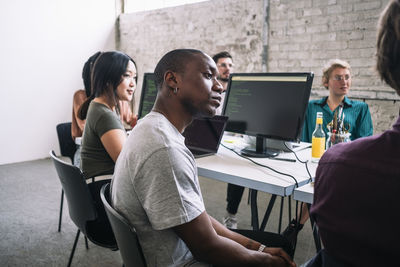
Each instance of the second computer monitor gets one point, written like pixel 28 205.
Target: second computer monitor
pixel 267 105
pixel 148 95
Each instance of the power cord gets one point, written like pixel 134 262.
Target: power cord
pixel 261 165
pixel 297 185
pixel 304 162
pixel 309 180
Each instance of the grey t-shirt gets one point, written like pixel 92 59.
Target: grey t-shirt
pixel 155 186
pixel 95 159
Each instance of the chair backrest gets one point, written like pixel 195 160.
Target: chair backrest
pixel 80 202
pixel 85 207
pixel 125 234
pixel 67 144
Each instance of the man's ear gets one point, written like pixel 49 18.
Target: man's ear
pixel 170 79
pixel 325 82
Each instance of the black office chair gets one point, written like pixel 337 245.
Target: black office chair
pixel 67 149
pixel 128 243
pixel 85 209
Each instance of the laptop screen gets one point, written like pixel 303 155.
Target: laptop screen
pixel 148 95
pixel 205 134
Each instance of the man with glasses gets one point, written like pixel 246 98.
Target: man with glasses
pixel 336 77
pixel 224 63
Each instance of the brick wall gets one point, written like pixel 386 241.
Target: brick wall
pixel 303 36
pixel 326 29
pixel 211 26
pixel 271 35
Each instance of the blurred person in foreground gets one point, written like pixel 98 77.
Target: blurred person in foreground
pixel 357 184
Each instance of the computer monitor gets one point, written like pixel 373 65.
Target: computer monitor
pixel 148 95
pixel 267 105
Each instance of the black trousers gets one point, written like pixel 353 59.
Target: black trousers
pixel 233 197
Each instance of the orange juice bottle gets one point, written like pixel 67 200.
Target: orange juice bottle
pixel 318 140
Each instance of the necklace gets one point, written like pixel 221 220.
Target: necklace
pixel 331 105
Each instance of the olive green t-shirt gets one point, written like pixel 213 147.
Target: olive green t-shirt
pixel 95 160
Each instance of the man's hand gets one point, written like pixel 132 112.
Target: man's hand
pixel 280 253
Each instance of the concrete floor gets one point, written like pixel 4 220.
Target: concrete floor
pixel 30 194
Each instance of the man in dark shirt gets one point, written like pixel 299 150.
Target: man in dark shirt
pixel 224 63
pixel 357 183
pixel 234 194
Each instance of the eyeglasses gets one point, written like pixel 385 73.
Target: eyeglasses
pixel 224 65
pixel 341 77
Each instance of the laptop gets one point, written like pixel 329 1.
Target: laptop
pixel 148 95
pixel 203 136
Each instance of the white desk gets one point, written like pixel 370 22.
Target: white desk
pixel 304 193
pixel 228 167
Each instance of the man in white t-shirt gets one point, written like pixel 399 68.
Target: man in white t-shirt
pixel 155 183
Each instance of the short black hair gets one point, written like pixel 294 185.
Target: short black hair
pixel 223 54
pixel 175 61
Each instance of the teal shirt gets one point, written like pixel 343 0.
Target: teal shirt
pixel 356 114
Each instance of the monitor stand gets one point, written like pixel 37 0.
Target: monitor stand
pixel 261 150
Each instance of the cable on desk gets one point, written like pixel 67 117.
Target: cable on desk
pixel 304 162
pixel 259 164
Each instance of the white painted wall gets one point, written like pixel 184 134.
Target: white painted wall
pixel 43 46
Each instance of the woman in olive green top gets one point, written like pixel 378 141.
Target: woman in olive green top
pixel 113 79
